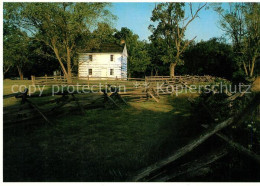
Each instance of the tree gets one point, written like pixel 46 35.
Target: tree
pixel 241 22
pixel 138 57
pixel 61 26
pixel 252 37
pixel 213 57
pixel 172 24
pixel 104 33
pixel 42 58
pixel 16 49
pixel 7 62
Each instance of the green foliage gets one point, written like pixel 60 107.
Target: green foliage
pixel 242 24
pixel 212 107
pixel 167 15
pixel 67 28
pixel 16 49
pixel 46 32
pixel 42 58
pixel 61 26
pixel 138 56
pixel 251 41
pixel 140 60
pixel 209 108
pixel 172 21
pixel 104 33
pixel 213 57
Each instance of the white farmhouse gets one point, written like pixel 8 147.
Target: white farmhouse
pixel 108 61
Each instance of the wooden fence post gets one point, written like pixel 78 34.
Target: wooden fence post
pixel 33 80
pixel 55 78
pixel 46 78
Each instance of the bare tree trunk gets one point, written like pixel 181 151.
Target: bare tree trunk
pixel 6 70
pixel 20 72
pixel 245 69
pixel 61 64
pixel 252 67
pixel 69 65
pixel 172 69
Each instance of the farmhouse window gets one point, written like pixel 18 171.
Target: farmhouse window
pixel 111 72
pixel 90 58
pixel 89 71
pixel 111 57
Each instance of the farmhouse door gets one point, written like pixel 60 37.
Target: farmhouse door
pixel 103 72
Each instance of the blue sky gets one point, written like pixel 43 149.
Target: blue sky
pixel 136 16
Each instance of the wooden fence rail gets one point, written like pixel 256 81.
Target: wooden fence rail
pixel 49 80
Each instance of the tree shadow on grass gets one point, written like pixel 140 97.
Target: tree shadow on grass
pixel 102 145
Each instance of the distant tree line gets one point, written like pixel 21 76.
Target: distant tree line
pixel 40 38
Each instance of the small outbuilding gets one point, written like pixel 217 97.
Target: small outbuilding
pixel 107 61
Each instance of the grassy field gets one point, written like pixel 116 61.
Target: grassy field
pixel 109 144
pixel 102 145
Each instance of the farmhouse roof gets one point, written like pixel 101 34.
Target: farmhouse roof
pixel 106 48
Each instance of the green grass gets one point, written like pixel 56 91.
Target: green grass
pixel 14 86
pixel 102 145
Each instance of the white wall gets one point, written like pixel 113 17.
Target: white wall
pixel 100 65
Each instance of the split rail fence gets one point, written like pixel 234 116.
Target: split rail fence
pixel 50 80
pixel 29 111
